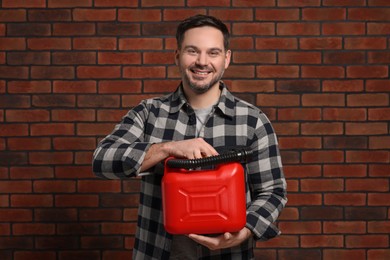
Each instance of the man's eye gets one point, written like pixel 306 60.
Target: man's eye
pixel 191 51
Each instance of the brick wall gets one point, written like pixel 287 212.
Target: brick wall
pixel 70 69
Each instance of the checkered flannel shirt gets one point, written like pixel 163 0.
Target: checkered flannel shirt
pixel 234 123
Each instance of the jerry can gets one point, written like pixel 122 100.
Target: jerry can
pixel 204 201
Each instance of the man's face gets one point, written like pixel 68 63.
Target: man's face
pixel 202 58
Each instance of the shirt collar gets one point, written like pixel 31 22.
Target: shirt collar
pixel 225 104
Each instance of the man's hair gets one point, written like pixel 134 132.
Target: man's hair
pixel 201 20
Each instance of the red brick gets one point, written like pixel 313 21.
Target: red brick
pixel 49 15
pixel 344 3
pixel 379 142
pixel 351 57
pixel 138 15
pixel 118 29
pixel 31 86
pixel 14 130
pixel 31 200
pixel 367 100
pixel 276 43
pixel 344 28
pixel 26 144
pixel 322 71
pixel 241 43
pixel 322 241
pixel 122 58
pixel 237 14
pixel 51 43
pixel 367 156
pixel 108 255
pixel 13 15
pixel 76 58
pixel 93 129
pixel 76 200
pixel 367 241
pixel 116 3
pixel 14 72
pixel 273 100
pixel 111 115
pixel 78 229
pixel 301 171
pixel 242 71
pixel 379 170
pixel 322 157
pixel 12 43
pixel 98 186
pixel 90 254
pixel 98 72
pixel 298 29
pixel 306 227
pixel 286 128
pixel 339 142
pixel 300 142
pixel 54 100
pixel 16 215
pixel 68 3
pixel 69 143
pixel 140 72
pixel 140 44
pixel 277 14
pixel 377 28
pixel 301 199
pixel 345 199
pixel 36 115
pixel 103 101
pixel 121 86
pixel 368 43
pixel 35 255
pixel 299 58
pixel 321 128
pixel 73 29
pixel 40 172
pixel 52 129
pixel 79 115
pixel 159 3
pixel 33 229
pixel 351 170
pixel 375 85
pixel 119 228
pixel 378 199
pixel 323 14
pixel 378 254
pixel 244 28
pixel 33 58
pixel 56 242
pixel 245 85
pixel 352 85
pixel 50 158
pixel 323 100
pixel 28 29
pixel 381 57
pixel 368 185
pixel 23 4
pixel 52 72
pixel 73 172
pixel 277 71
pixel 345 114
pixel 79 86
pixel 15 186
pixel 323 43
pixel 94 43
pixel 82 14
pixel 369 14
pixel 328 185
pixel 54 186
pixel 367 72
pixel 101 214
pixel 366 128
pixel 344 227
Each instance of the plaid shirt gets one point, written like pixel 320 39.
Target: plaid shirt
pixel 234 123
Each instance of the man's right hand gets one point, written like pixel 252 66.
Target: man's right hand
pixel 188 149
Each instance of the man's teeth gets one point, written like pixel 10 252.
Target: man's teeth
pixel 201 73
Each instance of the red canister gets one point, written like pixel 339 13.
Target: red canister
pixel 204 201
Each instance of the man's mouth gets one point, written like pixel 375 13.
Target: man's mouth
pixel 200 72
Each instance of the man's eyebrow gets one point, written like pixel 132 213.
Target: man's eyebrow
pixel 196 48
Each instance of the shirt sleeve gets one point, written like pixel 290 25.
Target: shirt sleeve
pixel 266 182
pixel 120 154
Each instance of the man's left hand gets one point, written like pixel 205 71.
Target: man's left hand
pixel 225 240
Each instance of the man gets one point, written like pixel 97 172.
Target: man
pixel 200 119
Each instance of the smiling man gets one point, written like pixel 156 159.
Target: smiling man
pixel 200 119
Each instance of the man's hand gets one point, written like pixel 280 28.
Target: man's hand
pixel 189 149
pixel 225 240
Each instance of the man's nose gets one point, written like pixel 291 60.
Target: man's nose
pixel 202 59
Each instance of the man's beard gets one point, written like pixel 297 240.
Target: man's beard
pixel 202 88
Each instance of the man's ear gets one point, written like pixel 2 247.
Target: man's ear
pixel 227 58
pixel 177 53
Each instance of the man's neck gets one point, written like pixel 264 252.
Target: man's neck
pixel 205 100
